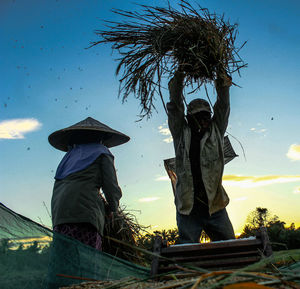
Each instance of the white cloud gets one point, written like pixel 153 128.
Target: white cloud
pixel 254 181
pixel 294 152
pixel 17 128
pixel 258 130
pixel 149 199
pixel 164 130
pixel 162 178
pixel 168 140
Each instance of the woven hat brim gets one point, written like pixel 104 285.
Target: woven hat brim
pixel 61 139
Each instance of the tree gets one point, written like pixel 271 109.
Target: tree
pixel 260 217
pixel 280 236
pixel 171 236
pixel 146 241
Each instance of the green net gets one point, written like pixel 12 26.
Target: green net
pixel 32 256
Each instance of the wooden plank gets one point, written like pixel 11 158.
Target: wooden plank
pixel 215 255
pixel 156 250
pixel 218 264
pixel 211 252
pixel 212 245
pixel 201 253
pixel 211 256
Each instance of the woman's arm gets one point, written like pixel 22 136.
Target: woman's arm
pixel 110 185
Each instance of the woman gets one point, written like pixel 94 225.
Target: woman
pixel 88 166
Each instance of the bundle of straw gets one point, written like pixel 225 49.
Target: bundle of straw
pixel 125 228
pixel 158 41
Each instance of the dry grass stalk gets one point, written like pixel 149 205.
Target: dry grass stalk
pixel 124 227
pixel 216 279
pixel 157 41
pixel 262 278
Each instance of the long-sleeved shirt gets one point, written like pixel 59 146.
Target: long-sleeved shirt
pixel 76 197
pixel 211 150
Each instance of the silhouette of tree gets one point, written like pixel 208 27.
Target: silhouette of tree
pixel 281 237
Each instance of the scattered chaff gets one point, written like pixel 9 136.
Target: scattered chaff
pixel 229 279
pixel 157 41
pixel 216 279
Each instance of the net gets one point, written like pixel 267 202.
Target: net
pixel 33 256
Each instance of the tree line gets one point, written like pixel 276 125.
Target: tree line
pixel 281 236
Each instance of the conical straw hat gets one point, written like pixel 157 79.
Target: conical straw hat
pixel 88 129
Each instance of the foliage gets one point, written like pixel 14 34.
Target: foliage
pixel 146 241
pixel 171 236
pixel 23 265
pixel 22 257
pixel 281 237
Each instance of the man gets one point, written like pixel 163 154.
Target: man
pixel 198 139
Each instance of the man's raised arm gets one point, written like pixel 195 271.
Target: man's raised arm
pixel 222 105
pixel 176 107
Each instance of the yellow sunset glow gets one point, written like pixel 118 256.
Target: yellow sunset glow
pixel 294 152
pixel 258 181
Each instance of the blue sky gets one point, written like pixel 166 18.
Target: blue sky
pixel 49 80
